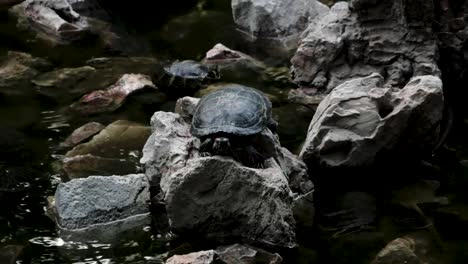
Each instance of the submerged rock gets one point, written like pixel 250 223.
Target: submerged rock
pixel 107 209
pixel 400 250
pixel 360 122
pixel 64 82
pixel 235 202
pixel 17 69
pixel 82 133
pixel 392 38
pixel 278 23
pixel 112 98
pixel 114 149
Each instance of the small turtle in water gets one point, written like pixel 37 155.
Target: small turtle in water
pixel 229 123
pixel 187 76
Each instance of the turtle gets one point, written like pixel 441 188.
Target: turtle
pixel 187 76
pixel 229 122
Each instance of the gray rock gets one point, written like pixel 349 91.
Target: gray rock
pixel 102 208
pixel 393 38
pixel 185 107
pixel 201 257
pixel 233 202
pixel 119 143
pixel 17 69
pixel 360 121
pixel 112 98
pixel 82 133
pixel 302 97
pixel 168 148
pixel 244 254
pixel 63 22
pixel 277 21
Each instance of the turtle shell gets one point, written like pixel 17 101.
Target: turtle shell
pixel 236 109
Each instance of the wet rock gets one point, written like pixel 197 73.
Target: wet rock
pixel 64 22
pixel 185 107
pixel 81 166
pixel 119 143
pixel 245 254
pixel 393 38
pixel 63 82
pixel 82 134
pixel 201 257
pixel 278 22
pixel 99 208
pixel 400 250
pixel 259 210
pixel 17 69
pixel 9 254
pixel 360 122
pixel 112 98
pixel 168 148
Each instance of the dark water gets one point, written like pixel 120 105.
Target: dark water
pixel 31 128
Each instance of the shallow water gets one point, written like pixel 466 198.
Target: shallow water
pixel 32 127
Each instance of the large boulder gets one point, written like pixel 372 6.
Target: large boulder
pixel 279 21
pixel 234 202
pixel 392 38
pixel 361 122
pixel 103 208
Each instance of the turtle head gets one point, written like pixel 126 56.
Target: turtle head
pixel 221 146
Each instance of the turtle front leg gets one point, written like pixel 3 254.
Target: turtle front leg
pixel 205 148
pixel 250 157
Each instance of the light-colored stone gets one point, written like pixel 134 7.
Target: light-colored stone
pixel 102 208
pixel 185 107
pixel 245 254
pixel 168 148
pixel 201 257
pixel 233 202
pixel 360 121
pixel 392 38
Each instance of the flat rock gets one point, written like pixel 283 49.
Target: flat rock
pixel 245 254
pixel 201 257
pixel 112 98
pixel 82 133
pixel 102 207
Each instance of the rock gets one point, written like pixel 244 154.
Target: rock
pixel 65 22
pixel 168 148
pixel 238 253
pixel 5 4
pixel 235 202
pixel 399 250
pixel 302 97
pixel 17 69
pixel 185 107
pixel 102 208
pixel 278 22
pixel 82 133
pixel 9 254
pixel 360 122
pixel 119 143
pixel 81 166
pixel 201 257
pixel 112 98
pixel 64 82
pixel 393 38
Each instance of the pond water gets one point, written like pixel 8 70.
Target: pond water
pixel 32 127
